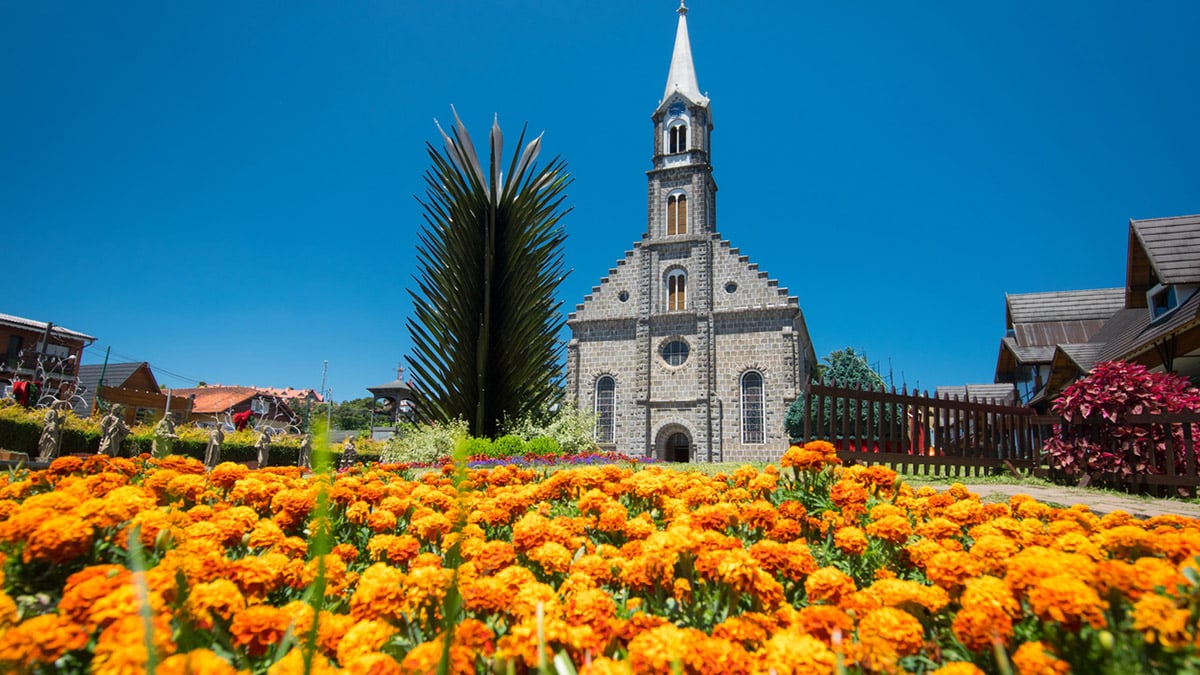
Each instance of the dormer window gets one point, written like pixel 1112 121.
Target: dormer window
pixel 1161 300
pixel 677 138
pixel 677 214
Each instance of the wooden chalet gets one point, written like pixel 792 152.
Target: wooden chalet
pixel 131 385
pixel 1037 324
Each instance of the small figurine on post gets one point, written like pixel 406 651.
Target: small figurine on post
pixel 164 437
pixel 113 431
pixel 305 460
pixel 212 452
pixel 263 446
pixel 349 456
pixel 50 441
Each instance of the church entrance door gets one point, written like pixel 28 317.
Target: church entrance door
pixel 678 448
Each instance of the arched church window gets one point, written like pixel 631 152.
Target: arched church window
pixel 676 290
pixel 606 390
pixel 677 214
pixel 752 407
pixel 677 139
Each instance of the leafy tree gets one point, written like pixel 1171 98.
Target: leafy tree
pixel 847 368
pixel 486 321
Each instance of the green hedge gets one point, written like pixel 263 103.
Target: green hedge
pixel 23 437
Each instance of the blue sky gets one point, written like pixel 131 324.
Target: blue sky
pixel 226 189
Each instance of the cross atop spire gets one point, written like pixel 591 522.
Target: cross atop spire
pixel 682 76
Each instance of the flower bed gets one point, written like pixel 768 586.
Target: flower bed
pixel 116 565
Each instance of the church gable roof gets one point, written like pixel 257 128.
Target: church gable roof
pixel 740 284
pixel 604 302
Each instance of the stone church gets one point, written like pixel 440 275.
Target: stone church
pixel 686 351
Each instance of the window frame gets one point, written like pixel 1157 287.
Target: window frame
pixel 676 290
pixel 677 213
pixel 606 420
pixel 753 413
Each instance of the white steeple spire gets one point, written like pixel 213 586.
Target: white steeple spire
pixel 682 77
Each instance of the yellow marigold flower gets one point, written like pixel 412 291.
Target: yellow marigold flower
pixel 196 662
pixel 59 539
pixel 1125 541
pixel 1067 600
pixel 1159 620
pixel 358 512
pixel 892 529
pixel 365 637
pixel 258 628
pixel 850 540
pixel 887 633
pixel 828 585
pixel 792 653
pixel 220 598
pixel 1036 658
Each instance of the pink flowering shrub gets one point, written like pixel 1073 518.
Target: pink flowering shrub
pixel 1097 440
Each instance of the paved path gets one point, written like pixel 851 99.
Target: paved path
pixel 1100 502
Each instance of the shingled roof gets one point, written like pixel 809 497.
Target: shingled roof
pixel 115 375
pixel 1170 245
pixel 1100 303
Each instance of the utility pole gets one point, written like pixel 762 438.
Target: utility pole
pixel 328 411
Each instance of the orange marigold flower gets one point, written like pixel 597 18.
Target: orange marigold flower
pixel 382 521
pixel 892 529
pixel 828 585
pixel 848 494
pixel 791 560
pixel 258 576
pixel 958 668
pixel 380 593
pixel 792 653
pixel 121 648
pixel 824 622
pixel 1159 620
pixel 887 633
pixel 553 557
pixel 59 539
pixel 363 638
pixel 1036 658
pixel 1067 600
pixel 951 569
pixel 195 662
pixel 258 628
pixel 978 627
pixel 39 641
pixel 220 598
pixel 850 540
pixel 226 474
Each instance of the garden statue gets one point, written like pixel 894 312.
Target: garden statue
pixel 113 431
pixel 51 439
pixel 164 437
pixel 349 456
pixel 263 446
pixel 305 460
pixel 212 452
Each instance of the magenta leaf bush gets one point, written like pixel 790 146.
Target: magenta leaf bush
pixel 1097 441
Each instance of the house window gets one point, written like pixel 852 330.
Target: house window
pixel 676 290
pixel 752 408
pixel 677 139
pixel 677 214
pixel 606 390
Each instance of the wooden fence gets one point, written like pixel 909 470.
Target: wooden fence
pixel 918 433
